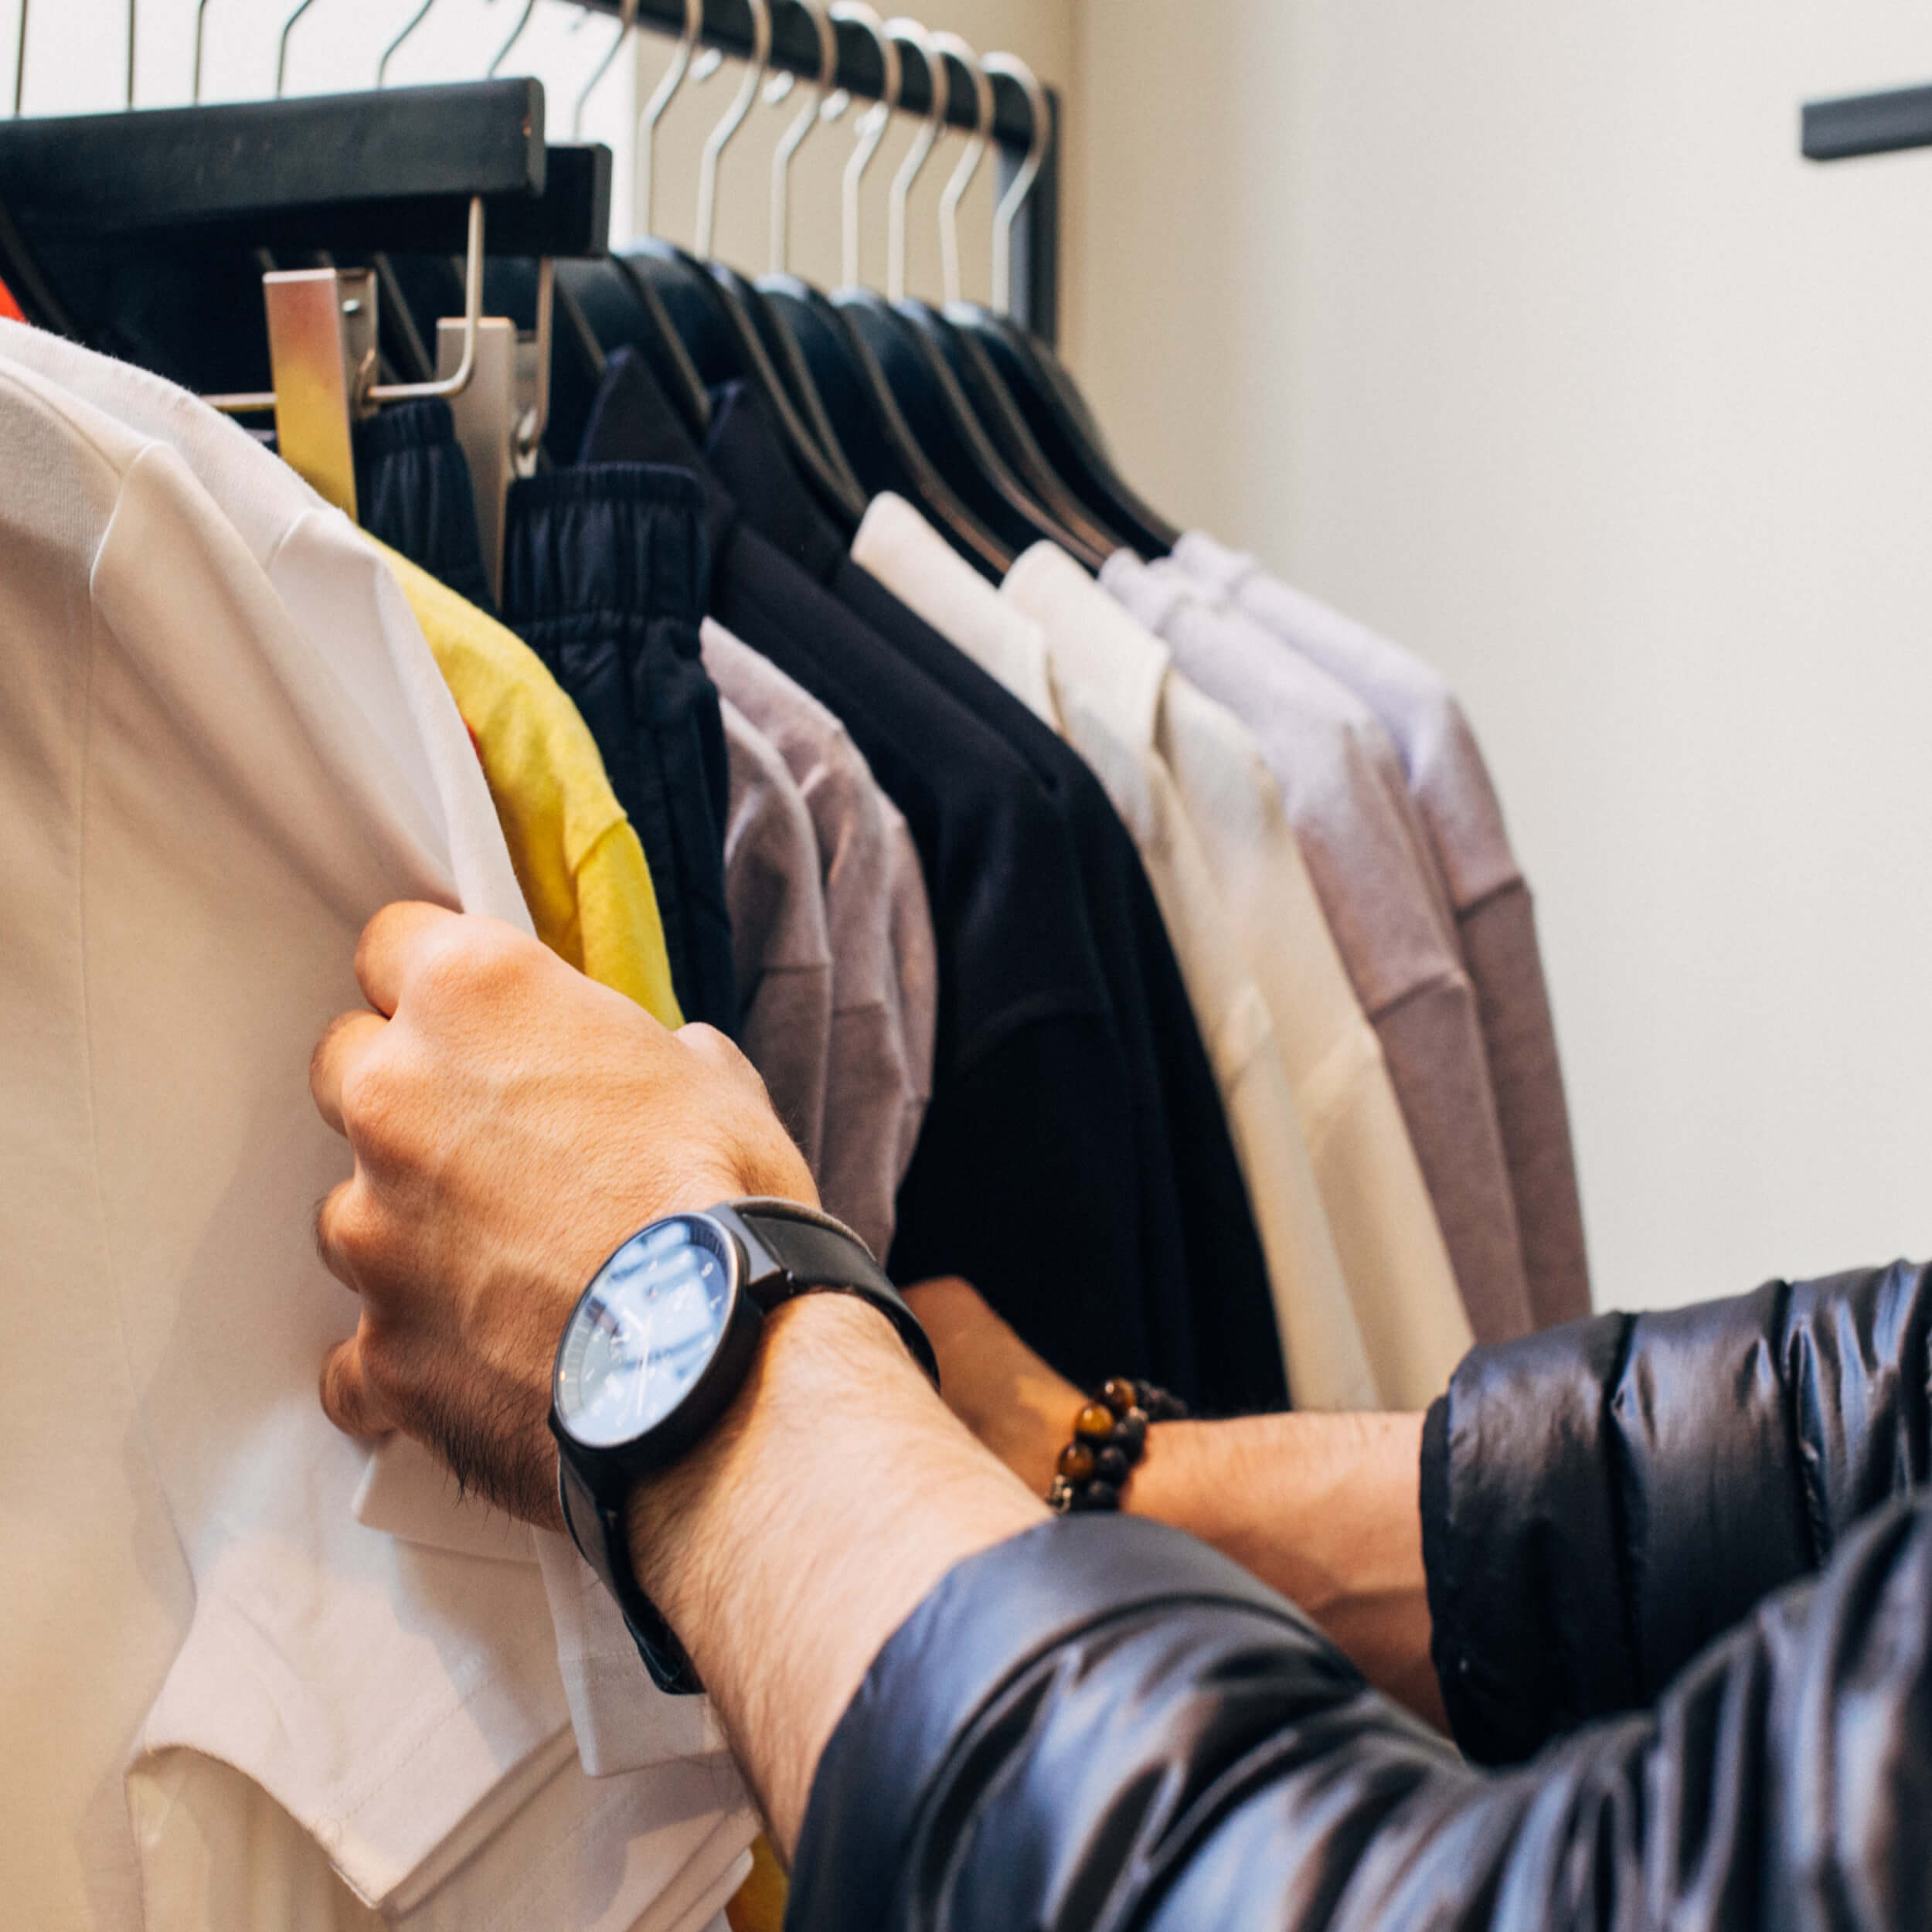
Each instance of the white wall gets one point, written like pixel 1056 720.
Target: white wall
pixel 1523 332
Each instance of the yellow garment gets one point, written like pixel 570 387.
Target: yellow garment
pixel 759 1906
pixel 577 856
pixel 581 867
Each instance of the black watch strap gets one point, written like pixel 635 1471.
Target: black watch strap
pixel 604 1538
pixel 815 1251
pixel 791 1250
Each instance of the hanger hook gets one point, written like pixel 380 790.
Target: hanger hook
pixel 734 117
pixel 130 53
pixel 910 33
pixel 794 136
pixel 872 126
pixel 20 64
pixel 1041 109
pixel 516 34
pixel 281 52
pixel 653 112
pixel 201 37
pixel 416 19
pixel 626 26
pixel 950 45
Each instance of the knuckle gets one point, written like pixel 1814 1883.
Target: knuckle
pixel 469 960
pixel 375 1101
pixel 384 1379
pixel 348 1229
pixel 721 1053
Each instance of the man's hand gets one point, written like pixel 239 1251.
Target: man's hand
pixel 511 1123
pixel 1324 1507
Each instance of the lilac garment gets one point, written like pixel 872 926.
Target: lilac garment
pixel 781 947
pixel 885 989
pixel 1328 755
pixel 1494 917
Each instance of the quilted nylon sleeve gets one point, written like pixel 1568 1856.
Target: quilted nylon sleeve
pixel 1601 1500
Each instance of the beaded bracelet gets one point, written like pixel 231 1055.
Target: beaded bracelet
pixel 1110 1438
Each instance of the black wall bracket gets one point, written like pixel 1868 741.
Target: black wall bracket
pixel 1854 124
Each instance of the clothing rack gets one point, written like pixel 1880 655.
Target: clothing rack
pixel 400 167
pixel 794 48
pixel 1849 125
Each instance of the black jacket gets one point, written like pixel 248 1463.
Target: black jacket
pixel 1194 1222
pixel 1680 1553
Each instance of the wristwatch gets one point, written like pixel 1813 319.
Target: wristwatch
pixel 656 1347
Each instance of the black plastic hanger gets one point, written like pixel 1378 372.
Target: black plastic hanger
pixel 1045 395
pixel 992 405
pixel 1000 416
pixel 1022 364
pixel 624 311
pixel 942 422
pixel 717 317
pixel 935 409
pixel 859 400
pixel 791 367
pixel 869 423
pixel 726 345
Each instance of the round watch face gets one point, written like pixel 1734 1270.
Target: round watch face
pixel 645 1331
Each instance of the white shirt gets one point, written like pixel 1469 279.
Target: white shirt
pixel 1392 1256
pixel 1343 787
pixel 1495 923
pixel 207 800
pixel 1049 640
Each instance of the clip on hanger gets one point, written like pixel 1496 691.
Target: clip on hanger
pixel 408 169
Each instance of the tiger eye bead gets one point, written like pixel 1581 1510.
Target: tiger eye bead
pixel 1076 1462
pixel 1118 1395
pixel 1095 1420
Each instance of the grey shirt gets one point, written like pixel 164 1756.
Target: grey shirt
pixel 884 972
pixel 781 950
pixel 1495 921
pixel 1340 781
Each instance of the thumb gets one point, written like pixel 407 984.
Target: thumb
pixel 348 1400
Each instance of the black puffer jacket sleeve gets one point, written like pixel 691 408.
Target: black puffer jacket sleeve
pixel 1102 1725
pixel 1601 1501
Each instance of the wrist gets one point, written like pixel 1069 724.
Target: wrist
pixel 677 1516
pixel 1021 1409
pixel 790 1542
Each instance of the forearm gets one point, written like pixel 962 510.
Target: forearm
pixel 1322 1508
pixel 789 1547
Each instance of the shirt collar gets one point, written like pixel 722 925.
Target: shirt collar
pixel 744 452
pixel 898 547
pixel 1213 565
pixel 1117 667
